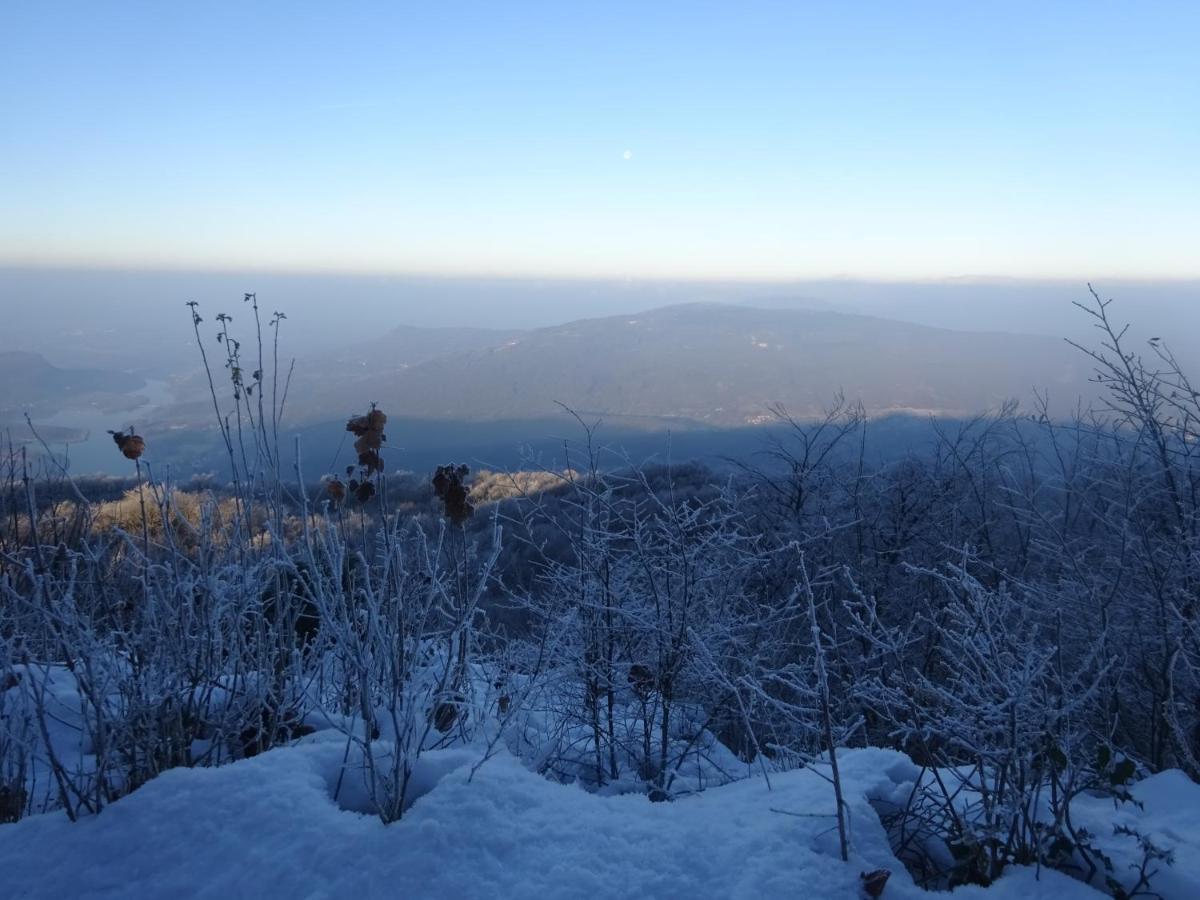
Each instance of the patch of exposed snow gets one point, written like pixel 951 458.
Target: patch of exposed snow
pixel 268 827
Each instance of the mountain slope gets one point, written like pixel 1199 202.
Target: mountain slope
pixel 719 365
pixel 28 382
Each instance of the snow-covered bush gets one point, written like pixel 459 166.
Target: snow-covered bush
pixel 400 628
pixel 661 606
pixel 978 690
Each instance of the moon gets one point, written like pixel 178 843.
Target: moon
pixel 627 155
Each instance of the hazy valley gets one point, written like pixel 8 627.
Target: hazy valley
pixel 709 373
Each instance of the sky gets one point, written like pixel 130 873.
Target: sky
pixel 739 140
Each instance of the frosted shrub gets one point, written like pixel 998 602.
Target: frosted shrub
pixel 977 690
pixel 400 629
pixel 658 601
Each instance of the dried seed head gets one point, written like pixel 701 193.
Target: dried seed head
pixel 371 423
pixel 130 445
pixel 448 484
pixel 875 881
pixel 371 462
pixel 370 441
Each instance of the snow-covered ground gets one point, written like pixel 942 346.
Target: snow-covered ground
pixel 298 821
pixel 269 827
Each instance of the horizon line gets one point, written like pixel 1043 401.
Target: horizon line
pixel 184 268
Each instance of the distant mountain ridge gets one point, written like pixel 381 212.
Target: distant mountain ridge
pixel 707 365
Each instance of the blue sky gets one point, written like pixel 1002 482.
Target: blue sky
pixel 766 140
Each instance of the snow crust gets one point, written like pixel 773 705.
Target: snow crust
pixel 269 827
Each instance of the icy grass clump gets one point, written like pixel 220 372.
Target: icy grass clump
pixel 348 777
pixel 1166 811
pixel 1162 811
pixel 551 741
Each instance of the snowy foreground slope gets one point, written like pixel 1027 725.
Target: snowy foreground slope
pixel 268 827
